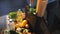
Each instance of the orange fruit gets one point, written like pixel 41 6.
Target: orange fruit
pixel 16 25
pixel 23 24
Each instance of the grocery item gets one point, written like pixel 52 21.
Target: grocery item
pixel 19 16
pixel 24 22
pixel 12 15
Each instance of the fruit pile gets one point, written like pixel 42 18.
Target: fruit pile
pixel 18 21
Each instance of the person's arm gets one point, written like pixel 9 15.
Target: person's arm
pixel 40 7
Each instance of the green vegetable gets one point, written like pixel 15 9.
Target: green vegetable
pixel 12 15
pixel 32 10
